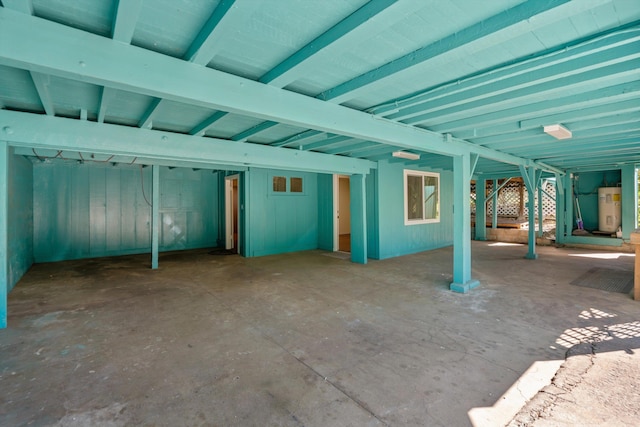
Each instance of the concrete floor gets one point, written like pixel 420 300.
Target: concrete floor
pixel 297 339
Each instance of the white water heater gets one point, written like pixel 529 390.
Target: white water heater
pixel 609 209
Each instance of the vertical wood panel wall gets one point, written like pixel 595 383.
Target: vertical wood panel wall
pixel 93 209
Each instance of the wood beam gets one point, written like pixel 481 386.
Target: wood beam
pixel 37 131
pixel 205 46
pixel 280 75
pixel 48 47
pixel 125 19
pixel 510 17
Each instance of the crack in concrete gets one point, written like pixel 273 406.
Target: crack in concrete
pixel 355 400
pixel 562 383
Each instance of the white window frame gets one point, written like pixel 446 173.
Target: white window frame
pixel 422 174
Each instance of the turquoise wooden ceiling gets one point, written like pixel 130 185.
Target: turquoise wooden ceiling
pixel 431 77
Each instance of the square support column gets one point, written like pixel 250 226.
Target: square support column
pixel 481 209
pixel 462 281
pixel 560 209
pixel 540 210
pixel 494 201
pixel 155 215
pixel 629 202
pixel 358 207
pixel 569 203
pixel 4 229
pixel 531 178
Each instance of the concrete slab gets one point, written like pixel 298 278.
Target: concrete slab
pixel 298 339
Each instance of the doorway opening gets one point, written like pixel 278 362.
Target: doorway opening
pixel 232 209
pixel 342 213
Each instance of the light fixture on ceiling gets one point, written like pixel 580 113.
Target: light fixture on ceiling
pixel 558 131
pixel 405 155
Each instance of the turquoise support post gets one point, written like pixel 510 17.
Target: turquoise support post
pixel 568 204
pixel 494 201
pixel 4 228
pixel 155 214
pixel 481 209
pixel 560 210
pixel 530 177
pixel 629 202
pixel 358 219
pixel 540 209
pixel 462 281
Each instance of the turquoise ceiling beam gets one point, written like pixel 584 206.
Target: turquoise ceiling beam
pixel 122 29
pixel 351 148
pixel 378 153
pixel 297 139
pixel 146 121
pixel 280 75
pixel 24 6
pixel 621 153
pixel 605 111
pixel 125 20
pixel 602 40
pixel 201 51
pixel 582 99
pixel 536 88
pixel 106 95
pixel 517 14
pixel 558 110
pixel 243 136
pixel 55 154
pixel 575 83
pixel 202 127
pixel 593 123
pixel 206 46
pixel 331 140
pixel 601 160
pixel 45 46
pixel 565 62
pixel 544 142
pixel 38 131
pixel 41 83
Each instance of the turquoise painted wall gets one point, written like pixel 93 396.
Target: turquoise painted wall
pixel 279 222
pixel 395 238
pixel 586 186
pixel 92 209
pixel 19 219
pixel 188 209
